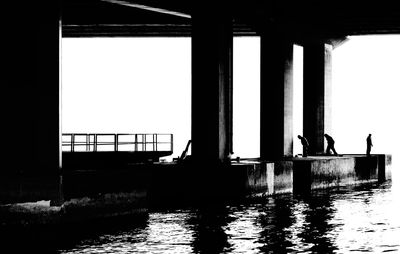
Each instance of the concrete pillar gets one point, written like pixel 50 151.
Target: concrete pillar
pixel 47 91
pixel 212 42
pixel 317 94
pixel 31 88
pixel 276 102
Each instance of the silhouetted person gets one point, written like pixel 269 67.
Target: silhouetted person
pixel 331 145
pixel 369 145
pixel 305 144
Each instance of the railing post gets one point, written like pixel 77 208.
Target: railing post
pixel 136 143
pixel 172 142
pixel 87 142
pixel 72 142
pixel 95 143
pixel 115 142
pixel 155 142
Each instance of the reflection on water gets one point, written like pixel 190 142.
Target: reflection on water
pixel 359 219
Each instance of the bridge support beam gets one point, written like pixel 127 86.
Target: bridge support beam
pixel 317 94
pixel 212 42
pixel 276 102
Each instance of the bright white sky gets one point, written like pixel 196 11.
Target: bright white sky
pixel 366 91
pixel 119 85
pixel 143 85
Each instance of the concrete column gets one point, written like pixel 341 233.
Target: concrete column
pixel 317 94
pixel 212 41
pixel 276 102
pixel 31 88
pixel 47 91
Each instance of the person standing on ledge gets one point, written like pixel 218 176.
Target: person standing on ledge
pixel 305 144
pixel 369 145
pixel 331 145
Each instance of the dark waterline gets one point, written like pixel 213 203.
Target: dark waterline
pixel 351 219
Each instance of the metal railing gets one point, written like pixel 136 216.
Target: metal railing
pixel 95 142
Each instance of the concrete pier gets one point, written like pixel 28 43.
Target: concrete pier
pixel 283 177
pixel 301 175
pixel 320 173
pixel 95 194
pixel 79 196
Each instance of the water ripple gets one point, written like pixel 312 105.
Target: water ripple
pixel 349 220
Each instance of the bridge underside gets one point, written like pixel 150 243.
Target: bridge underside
pixel 32 112
pixel 32 57
pixel 300 20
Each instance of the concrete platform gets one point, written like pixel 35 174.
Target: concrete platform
pixel 301 175
pixel 84 195
pixel 325 172
pixel 107 159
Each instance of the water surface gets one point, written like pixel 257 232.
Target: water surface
pixel 351 219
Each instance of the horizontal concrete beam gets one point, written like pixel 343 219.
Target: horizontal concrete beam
pixel 149 8
pixel 141 30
